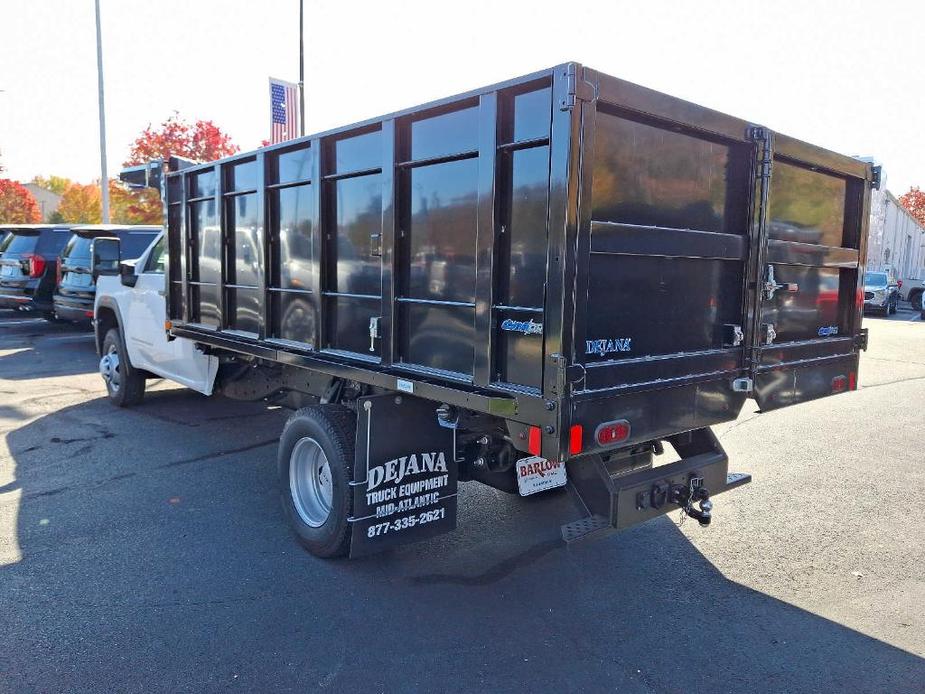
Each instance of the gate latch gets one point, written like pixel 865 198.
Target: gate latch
pixel 769 333
pixel 373 332
pixel 733 335
pixel 771 285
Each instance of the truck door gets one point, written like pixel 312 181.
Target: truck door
pixel 808 331
pixel 148 345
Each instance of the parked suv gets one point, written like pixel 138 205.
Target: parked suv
pixel 28 259
pixel 76 289
pixel 881 292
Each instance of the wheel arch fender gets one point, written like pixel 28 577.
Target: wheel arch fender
pixel 106 316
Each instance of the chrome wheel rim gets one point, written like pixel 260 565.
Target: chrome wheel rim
pixel 310 482
pixel 109 368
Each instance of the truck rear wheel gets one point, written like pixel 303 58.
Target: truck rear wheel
pixel 125 385
pixel 315 468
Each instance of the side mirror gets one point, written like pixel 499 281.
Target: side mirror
pixel 127 273
pixel 104 257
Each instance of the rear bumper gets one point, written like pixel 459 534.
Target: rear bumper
pixel 73 309
pixel 22 299
pixel 615 501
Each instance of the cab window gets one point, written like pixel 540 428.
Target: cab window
pixel 157 261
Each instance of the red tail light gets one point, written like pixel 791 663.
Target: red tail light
pixel 852 381
pixel 36 264
pixel 609 433
pixel 534 441
pixel 839 384
pixel 575 436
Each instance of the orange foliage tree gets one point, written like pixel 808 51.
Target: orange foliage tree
pixel 81 204
pixel 199 141
pixel 914 201
pixel 17 205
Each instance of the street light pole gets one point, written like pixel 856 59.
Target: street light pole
pixel 301 70
pixel 104 180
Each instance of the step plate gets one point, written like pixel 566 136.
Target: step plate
pixel 585 528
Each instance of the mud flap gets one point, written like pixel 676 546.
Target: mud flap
pixel 405 474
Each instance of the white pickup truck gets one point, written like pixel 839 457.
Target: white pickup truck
pixel 131 338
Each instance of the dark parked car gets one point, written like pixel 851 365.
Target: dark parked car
pixel 881 292
pixel 28 259
pixel 76 288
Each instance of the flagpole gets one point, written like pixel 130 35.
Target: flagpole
pixel 301 70
pixel 104 180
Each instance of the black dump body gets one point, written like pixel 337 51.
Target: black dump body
pixel 562 250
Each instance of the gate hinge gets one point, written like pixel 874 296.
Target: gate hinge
pixel 860 340
pixel 576 89
pixel 566 374
pixel 763 137
pixel 878 178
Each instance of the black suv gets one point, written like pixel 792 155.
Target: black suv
pixel 76 288
pixel 28 259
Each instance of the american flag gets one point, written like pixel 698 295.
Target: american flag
pixel 285 109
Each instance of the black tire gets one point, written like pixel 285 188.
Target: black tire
pixel 129 387
pixel 916 300
pixel 333 429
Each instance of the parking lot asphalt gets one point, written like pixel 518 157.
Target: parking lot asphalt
pixel 145 550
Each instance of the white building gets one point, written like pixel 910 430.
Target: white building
pixel 895 239
pixel 47 200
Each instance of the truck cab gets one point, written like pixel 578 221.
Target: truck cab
pixel 131 335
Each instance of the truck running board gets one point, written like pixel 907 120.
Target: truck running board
pixel 614 501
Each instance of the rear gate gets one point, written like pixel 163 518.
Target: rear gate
pixel 808 329
pixel 665 299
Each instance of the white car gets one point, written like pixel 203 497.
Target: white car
pixel 131 334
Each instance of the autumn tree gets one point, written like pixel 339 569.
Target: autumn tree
pixel 914 202
pixel 56 184
pixel 81 204
pixel 199 141
pixel 135 206
pixel 17 205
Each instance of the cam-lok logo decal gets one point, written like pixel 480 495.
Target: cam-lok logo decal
pixel 527 327
pixel 604 347
pixel 828 330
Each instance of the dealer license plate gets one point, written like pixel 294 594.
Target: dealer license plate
pixel 536 474
pixel 78 279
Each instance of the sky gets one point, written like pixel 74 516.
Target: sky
pixel 845 75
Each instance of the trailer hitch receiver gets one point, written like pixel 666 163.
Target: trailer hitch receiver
pixel 693 493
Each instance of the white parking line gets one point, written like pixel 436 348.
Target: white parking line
pixel 28 321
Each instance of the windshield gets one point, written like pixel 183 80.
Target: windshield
pixel 21 243
pixel 78 249
pixel 875 279
pixel 134 243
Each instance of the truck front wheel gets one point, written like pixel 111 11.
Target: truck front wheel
pixel 125 385
pixel 315 468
